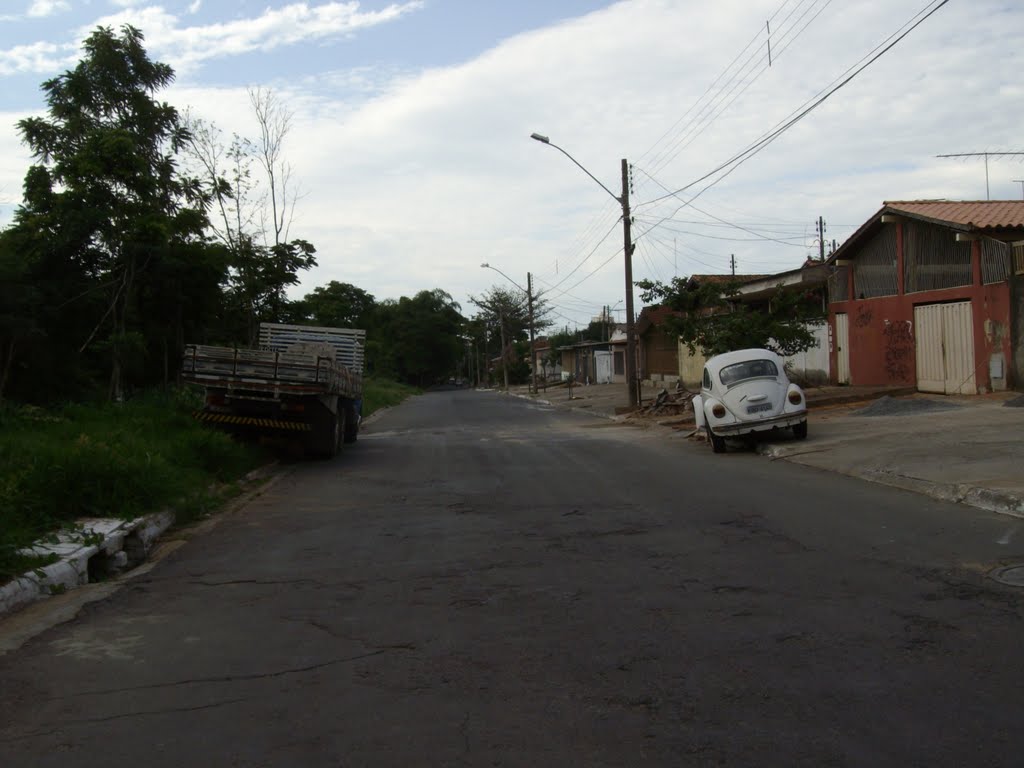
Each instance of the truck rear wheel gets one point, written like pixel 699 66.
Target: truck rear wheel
pixel 325 437
pixel 351 431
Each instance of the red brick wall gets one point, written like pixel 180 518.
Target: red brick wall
pixel 881 343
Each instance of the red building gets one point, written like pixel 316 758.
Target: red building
pixel 929 294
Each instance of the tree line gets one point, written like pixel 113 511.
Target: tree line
pixel 142 229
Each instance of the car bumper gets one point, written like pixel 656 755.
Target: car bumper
pixel 762 425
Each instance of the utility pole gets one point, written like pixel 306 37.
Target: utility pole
pixel 627 246
pixel 632 382
pixel 533 351
pixel 732 263
pixel 504 361
pixel 821 239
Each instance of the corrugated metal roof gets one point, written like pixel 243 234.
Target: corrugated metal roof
pixel 974 215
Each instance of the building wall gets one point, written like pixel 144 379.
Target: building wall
pixel 1016 361
pixel 812 366
pixel 660 355
pixel 691 367
pixel 881 332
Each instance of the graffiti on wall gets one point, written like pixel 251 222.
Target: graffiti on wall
pixel 899 351
pixel 863 318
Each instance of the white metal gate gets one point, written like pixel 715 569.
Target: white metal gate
pixel 603 364
pixel 944 348
pixel 842 348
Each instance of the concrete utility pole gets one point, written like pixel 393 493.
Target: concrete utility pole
pixel 532 384
pixel 632 382
pixel 627 246
pixel 533 352
pixel 504 362
pixel 732 263
pixel 821 239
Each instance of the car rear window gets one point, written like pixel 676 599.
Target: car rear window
pixel 749 369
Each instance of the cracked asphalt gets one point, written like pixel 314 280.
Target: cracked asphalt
pixel 484 581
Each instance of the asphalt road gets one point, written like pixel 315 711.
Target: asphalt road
pixel 482 581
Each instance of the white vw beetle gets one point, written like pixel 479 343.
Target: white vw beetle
pixel 747 392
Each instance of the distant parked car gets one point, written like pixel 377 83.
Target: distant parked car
pixel 747 393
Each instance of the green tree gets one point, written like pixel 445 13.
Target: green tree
pixel 106 214
pixel 339 305
pixel 416 340
pixel 714 320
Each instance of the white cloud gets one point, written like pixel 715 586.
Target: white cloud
pixel 195 6
pixel 43 8
pixel 186 47
pixel 414 178
pixel 37 57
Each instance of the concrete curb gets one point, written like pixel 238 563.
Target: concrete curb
pixel 101 546
pixel 988 499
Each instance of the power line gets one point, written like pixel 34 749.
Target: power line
pixel 737 160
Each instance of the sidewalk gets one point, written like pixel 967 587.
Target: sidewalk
pixel 968 450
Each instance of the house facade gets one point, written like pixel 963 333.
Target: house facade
pixel 927 294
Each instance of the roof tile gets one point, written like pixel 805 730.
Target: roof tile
pixel 975 215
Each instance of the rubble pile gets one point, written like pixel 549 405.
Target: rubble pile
pixel 676 403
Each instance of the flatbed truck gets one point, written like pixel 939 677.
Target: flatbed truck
pixel 302 381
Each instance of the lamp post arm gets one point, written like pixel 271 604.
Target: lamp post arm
pixel 517 285
pixel 615 197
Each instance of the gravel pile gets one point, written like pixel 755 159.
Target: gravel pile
pixel 890 406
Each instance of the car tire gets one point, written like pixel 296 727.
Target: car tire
pixel 717 441
pixel 800 430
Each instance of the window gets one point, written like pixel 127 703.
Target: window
pixel 874 269
pixel 750 369
pixel 933 259
pixel 839 285
pixel 707 379
pixel 996 257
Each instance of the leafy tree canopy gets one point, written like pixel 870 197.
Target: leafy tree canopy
pixel 107 219
pixel 339 305
pixel 711 317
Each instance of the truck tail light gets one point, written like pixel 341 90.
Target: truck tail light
pixel 795 398
pixel 293 407
pixel 718 410
pixel 215 399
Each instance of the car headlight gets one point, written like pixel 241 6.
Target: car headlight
pixel 718 410
pixel 795 398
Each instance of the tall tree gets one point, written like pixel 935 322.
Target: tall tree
pixel 417 340
pixel 104 197
pixel 251 185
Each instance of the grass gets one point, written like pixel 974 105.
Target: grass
pixel 121 460
pixel 110 460
pixel 384 393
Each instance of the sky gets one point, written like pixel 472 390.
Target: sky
pixel 412 121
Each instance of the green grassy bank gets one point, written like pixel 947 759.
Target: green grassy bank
pixel 125 460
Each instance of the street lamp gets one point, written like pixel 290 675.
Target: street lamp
pixel 529 303
pixel 627 247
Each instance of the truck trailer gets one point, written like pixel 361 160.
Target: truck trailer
pixel 303 382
